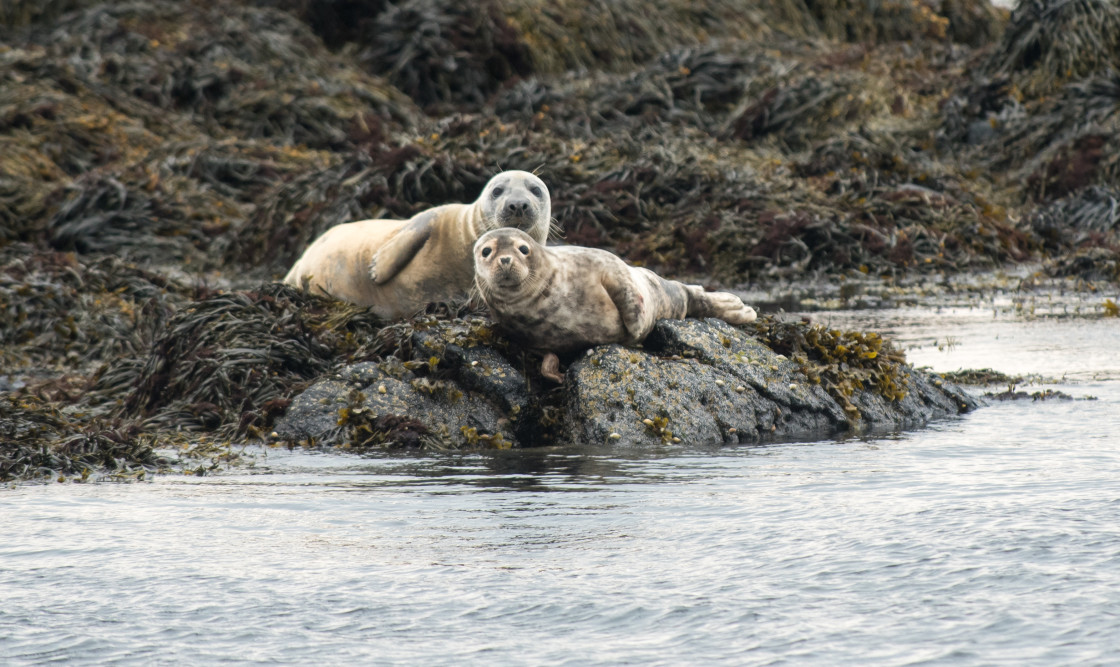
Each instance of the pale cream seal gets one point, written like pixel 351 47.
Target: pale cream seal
pixel 396 267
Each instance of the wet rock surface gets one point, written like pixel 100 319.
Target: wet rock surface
pixel 697 382
pixel 467 395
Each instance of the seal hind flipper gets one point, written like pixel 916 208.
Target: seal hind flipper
pixel 399 250
pixel 724 305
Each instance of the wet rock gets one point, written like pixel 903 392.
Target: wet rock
pixel 1044 395
pixel 461 394
pixel 705 382
pixel 693 381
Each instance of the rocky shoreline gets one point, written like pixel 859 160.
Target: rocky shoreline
pixel 166 161
pixel 692 382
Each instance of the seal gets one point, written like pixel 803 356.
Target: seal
pixel 396 267
pixel 565 298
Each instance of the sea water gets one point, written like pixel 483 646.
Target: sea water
pixel 989 539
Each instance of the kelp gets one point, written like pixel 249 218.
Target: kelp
pixel 1089 217
pixel 256 72
pixel 15 13
pixel 441 53
pixel 1065 142
pixel 231 361
pixel 843 362
pixel 444 50
pixel 58 310
pixel 1092 264
pixel 38 441
pixel 982 376
pixel 1049 43
pixel 803 111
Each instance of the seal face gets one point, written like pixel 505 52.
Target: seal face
pixel 396 267
pixel 566 298
pixel 516 199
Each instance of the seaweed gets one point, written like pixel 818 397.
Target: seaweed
pixel 225 363
pixel 1070 139
pixel 17 13
pixel 981 376
pixel 842 362
pixel 1092 264
pixel 444 51
pixel 62 311
pixel 365 430
pixel 1091 216
pixel 1049 43
pixel 801 112
pixel 37 440
pixel 257 72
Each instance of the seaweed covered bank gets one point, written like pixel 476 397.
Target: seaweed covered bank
pixel 164 160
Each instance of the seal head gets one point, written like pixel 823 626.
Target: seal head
pixel 507 262
pixel 516 199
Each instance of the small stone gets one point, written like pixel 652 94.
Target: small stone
pixel 381 389
pixel 614 436
pixel 720 382
pixel 740 388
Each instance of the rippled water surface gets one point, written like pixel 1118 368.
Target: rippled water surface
pixel 993 539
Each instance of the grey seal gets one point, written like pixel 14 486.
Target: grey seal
pixel 565 298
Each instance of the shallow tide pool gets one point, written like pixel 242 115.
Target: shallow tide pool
pixel 990 539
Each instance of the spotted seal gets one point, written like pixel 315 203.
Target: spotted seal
pixel 396 267
pixel 566 298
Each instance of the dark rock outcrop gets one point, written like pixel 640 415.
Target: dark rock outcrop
pixel 464 394
pixel 697 382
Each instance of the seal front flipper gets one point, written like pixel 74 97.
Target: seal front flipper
pixel 399 250
pixel 630 303
pixel 550 368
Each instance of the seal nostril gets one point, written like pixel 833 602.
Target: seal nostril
pixel 505 261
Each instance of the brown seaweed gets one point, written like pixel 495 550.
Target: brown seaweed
pixel 229 362
pixel 164 157
pixel 38 441
pixel 1049 43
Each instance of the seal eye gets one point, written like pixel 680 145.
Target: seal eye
pixel 524 250
pixel 497 192
pixel 536 191
pixel 486 252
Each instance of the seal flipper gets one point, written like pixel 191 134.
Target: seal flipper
pixel 631 305
pixel 550 368
pixel 399 250
pixel 724 305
